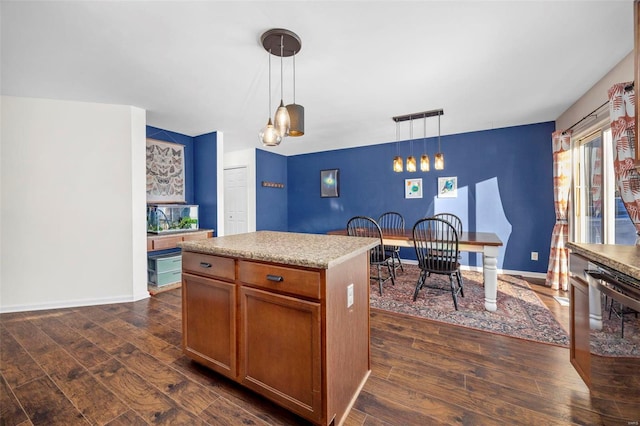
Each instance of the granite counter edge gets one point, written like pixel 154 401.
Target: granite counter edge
pixel 244 254
pixel 604 260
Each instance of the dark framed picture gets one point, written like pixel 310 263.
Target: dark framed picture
pixel 330 183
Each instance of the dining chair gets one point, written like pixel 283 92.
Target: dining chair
pixel 436 243
pixel 363 226
pixel 452 219
pixel 392 222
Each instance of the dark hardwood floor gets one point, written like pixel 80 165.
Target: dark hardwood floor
pixel 122 365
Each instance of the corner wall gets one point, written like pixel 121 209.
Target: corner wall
pixel 73 204
pixel 597 95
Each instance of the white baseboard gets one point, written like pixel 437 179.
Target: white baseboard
pixel 71 303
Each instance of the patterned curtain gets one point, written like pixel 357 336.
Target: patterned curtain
pixel 622 104
pixel 558 271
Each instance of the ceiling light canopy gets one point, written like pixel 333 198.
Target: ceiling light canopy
pixel 289 120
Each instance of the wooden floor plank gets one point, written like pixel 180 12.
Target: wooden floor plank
pixel 46 405
pixel 16 365
pixel 151 404
pixel 97 403
pixel 194 397
pixel 11 412
pixel 223 412
pixel 130 418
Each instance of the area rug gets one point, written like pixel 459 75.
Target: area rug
pixel 520 313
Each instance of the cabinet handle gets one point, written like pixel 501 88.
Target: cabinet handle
pixel 205 265
pixel 276 278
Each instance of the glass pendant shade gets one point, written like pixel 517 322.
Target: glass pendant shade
pixel 411 163
pixel 424 163
pixel 296 117
pixel 282 120
pixel 269 136
pixel 397 164
pixel 439 161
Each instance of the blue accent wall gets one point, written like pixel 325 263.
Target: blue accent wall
pixel 271 203
pixel 200 171
pixel 205 158
pixel 505 183
pixel 187 141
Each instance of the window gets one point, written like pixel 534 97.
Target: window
pixel 599 214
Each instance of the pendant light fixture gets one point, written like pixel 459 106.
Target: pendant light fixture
pixel 281 42
pixel 282 120
pixel 424 159
pixel 269 136
pixel 411 160
pixel 296 112
pixel 397 160
pixel 439 158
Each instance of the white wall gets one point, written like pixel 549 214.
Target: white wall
pixel 73 204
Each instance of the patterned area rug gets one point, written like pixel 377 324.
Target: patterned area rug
pixel 520 312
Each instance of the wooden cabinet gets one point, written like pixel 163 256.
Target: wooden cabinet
pixel 280 350
pixel 580 350
pixel 298 336
pixel 209 312
pixel 165 242
pixel 280 347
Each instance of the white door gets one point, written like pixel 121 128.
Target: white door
pixel 235 201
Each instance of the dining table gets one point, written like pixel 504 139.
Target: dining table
pixel 487 243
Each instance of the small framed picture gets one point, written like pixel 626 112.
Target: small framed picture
pixel 330 183
pixel 447 187
pixel 413 188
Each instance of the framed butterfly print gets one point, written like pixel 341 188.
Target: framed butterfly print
pixel 165 172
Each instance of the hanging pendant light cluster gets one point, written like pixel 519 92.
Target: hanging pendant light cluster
pixel 288 120
pixel 424 158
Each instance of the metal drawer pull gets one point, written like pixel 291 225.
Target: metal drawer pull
pixel 276 278
pixel 205 265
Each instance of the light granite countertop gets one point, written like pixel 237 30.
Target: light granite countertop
pixel 288 248
pixel 625 259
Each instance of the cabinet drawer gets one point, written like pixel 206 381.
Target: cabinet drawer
pixel 164 278
pixel 195 236
pixel 294 281
pixel 166 262
pixel 166 242
pixel 208 265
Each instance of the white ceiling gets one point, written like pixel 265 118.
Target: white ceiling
pixel 198 67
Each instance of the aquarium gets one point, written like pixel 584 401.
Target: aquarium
pixel 166 218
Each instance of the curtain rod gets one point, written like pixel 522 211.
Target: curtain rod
pixel 564 132
pixel 627 88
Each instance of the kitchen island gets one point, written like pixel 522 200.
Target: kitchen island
pixel 284 314
pixel 595 269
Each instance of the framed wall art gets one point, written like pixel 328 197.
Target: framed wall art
pixel 165 172
pixel 447 187
pixel 413 188
pixel 330 183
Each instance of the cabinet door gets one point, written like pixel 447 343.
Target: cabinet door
pixel 209 323
pixel 280 350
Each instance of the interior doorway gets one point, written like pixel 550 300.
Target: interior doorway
pixel 235 200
